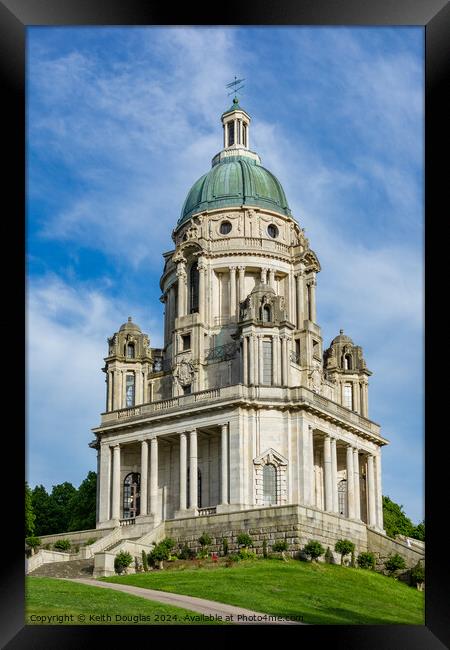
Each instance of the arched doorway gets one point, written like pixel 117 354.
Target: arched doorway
pixel 131 495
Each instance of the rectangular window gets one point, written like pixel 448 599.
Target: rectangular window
pixel 348 396
pixel 130 390
pixel 245 135
pixel 230 133
pixel 267 362
pixel 186 341
pixel 187 390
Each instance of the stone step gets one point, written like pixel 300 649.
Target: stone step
pixel 70 569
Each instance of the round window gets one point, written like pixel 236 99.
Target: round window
pixel 272 230
pixel 225 227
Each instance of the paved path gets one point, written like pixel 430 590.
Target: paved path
pixel 239 615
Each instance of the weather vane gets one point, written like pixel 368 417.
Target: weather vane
pixel 234 84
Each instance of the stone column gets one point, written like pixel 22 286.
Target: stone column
pixel 224 465
pixel 300 299
pixel 364 399
pixel 312 299
pixel 115 514
pixel 109 391
pixel 242 295
pixel 260 358
pixel 272 278
pixel 201 289
pixel 356 482
pixel 275 360
pixel 154 477
pixel 371 492
pixel 104 478
pixel 264 275
pixel 328 474
pixel 334 475
pixel 255 360
pixel 183 474
pixel 379 497
pixel 251 361
pixel 245 360
pixel 284 360
pixel 232 291
pixel 350 484
pixel 193 470
pixel 144 476
pixel 356 402
pixel 181 275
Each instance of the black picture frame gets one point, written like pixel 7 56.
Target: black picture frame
pixel 434 17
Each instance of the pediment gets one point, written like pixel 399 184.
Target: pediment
pixel 270 456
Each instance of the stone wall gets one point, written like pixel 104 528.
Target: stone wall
pixel 384 546
pixel 296 524
pixel 77 537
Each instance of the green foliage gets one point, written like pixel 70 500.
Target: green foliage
pixel 397 523
pixel 33 541
pixel 186 553
pixel 313 549
pixel 205 540
pixel 83 504
pixel 280 546
pixel 161 552
pixel 344 547
pixel 329 556
pixel 62 545
pixel 366 560
pixel 225 546
pixel 203 554
pixel 30 517
pixel 264 548
pixel 394 563
pixel 244 539
pixel 168 543
pixel 122 561
pixel 144 560
pixel 90 541
pixel 40 501
pixel 417 573
pixel 245 554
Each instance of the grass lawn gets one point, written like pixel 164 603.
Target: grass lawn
pixel 71 602
pixel 322 593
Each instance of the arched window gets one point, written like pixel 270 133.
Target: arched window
pixel 348 362
pixel 348 396
pixel 230 133
pixel 130 351
pixel 132 495
pixel 266 315
pixel 193 288
pixel 342 497
pixel 270 484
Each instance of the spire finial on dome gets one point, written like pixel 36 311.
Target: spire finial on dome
pixel 129 319
pixel 341 331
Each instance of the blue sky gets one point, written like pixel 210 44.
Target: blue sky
pixel 122 121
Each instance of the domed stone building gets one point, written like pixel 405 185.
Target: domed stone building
pixel 242 420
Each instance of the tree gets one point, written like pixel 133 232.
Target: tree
pixel 344 547
pixel 394 563
pixel 30 517
pixel 397 523
pixel 40 501
pixel 83 504
pixel 60 506
pixel 366 560
pixel 313 549
pixel 244 539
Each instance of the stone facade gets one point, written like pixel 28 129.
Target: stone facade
pixel 242 408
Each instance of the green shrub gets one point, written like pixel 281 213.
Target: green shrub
pixel 144 561
pixel 245 554
pixel 186 553
pixel 205 540
pixel 344 547
pixel 264 548
pixel 33 541
pixel 280 546
pixel 329 556
pixel 313 549
pixel 244 539
pixel 417 573
pixel 394 563
pixel 168 543
pixel 122 561
pixel 203 554
pixel 366 560
pixel 160 553
pixel 225 546
pixel 62 545
pixel 234 557
pixel 90 541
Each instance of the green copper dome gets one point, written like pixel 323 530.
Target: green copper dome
pixel 236 181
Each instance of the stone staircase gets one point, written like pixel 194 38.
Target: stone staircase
pixel 70 569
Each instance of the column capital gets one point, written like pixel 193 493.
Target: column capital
pixel 232 269
pixel 241 269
